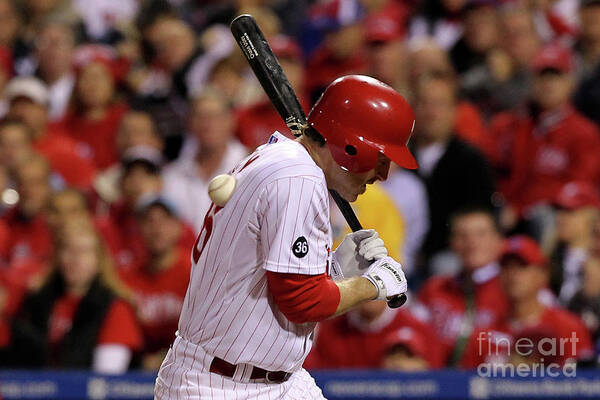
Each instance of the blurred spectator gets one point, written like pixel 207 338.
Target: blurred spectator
pixel 230 77
pixel 95 113
pixel 440 20
pixel 15 143
pixel 140 181
pixel 503 81
pixel 524 274
pixel 455 174
pixel 586 302
pixel 428 60
pixel 587 96
pixel 30 238
pixel 544 146
pixel 473 299
pixel 520 39
pixel 480 36
pixel 76 319
pixel 54 45
pixel 257 122
pixel 210 149
pixel 179 69
pixel 29 99
pixel 406 350
pixel 160 285
pixel 137 129
pixel 15 147
pixel 69 204
pixel 137 134
pixel 578 210
pixel 387 58
pixel 341 52
pixel 365 330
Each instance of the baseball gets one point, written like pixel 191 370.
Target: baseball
pixel 220 189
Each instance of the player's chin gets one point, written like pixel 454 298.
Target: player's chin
pixel 352 194
pixel 351 198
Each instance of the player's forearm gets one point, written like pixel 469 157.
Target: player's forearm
pixel 353 292
pixel 313 298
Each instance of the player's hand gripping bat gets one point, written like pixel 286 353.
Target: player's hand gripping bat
pixel 273 80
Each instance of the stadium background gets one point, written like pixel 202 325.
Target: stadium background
pixel 116 114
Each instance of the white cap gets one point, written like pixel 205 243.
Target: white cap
pixel 143 152
pixel 28 87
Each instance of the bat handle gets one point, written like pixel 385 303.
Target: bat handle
pixel 397 300
pixel 346 209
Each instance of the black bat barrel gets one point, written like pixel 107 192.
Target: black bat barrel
pixel 268 71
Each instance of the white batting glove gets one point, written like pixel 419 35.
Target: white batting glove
pixel 387 276
pixel 356 253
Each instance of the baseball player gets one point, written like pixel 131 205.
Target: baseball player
pixel 263 273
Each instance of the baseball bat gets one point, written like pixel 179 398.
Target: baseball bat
pixel 273 80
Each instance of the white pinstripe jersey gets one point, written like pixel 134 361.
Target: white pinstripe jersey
pixel 276 220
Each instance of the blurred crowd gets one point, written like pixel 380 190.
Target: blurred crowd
pixel 115 115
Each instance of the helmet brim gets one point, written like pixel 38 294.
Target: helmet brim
pixel 401 155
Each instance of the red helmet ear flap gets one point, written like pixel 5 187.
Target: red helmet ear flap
pixel 351 154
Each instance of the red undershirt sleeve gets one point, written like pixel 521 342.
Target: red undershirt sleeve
pixel 304 298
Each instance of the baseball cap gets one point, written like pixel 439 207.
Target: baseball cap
pixel 27 87
pixel 144 156
pixel 142 152
pixel 147 203
pixel 555 57
pixel 106 55
pixel 285 47
pixel 382 28
pixel 576 195
pixel 409 338
pixel 525 249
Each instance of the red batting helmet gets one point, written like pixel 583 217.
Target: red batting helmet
pixel 360 117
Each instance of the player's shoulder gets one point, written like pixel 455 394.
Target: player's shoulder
pixel 285 158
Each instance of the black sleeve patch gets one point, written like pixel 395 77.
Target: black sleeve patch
pixel 300 247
